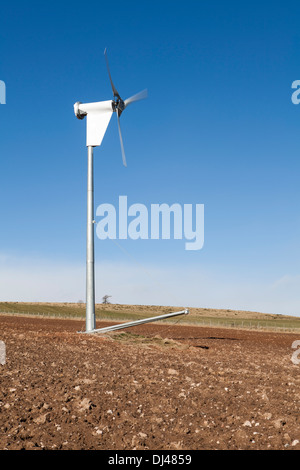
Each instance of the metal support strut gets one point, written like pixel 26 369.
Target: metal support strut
pixel 139 322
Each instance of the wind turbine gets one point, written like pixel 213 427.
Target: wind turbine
pixel 98 116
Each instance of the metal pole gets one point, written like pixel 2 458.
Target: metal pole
pixel 141 322
pixel 90 269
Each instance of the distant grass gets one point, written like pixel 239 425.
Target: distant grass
pixel 65 311
pixel 42 309
pixel 245 322
pixel 126 313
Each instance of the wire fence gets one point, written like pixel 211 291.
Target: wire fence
pixel 270 325
pixel 265 325
pixel 44 314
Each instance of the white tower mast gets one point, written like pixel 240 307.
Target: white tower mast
pixel 98 116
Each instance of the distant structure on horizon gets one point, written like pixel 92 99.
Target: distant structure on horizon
pixel 105 299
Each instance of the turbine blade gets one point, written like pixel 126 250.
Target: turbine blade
pixel 139 96
pixel 111 82
pixel 121 141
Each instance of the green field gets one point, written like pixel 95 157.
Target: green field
pixel 122 313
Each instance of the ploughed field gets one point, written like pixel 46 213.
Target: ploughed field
pixel 155 386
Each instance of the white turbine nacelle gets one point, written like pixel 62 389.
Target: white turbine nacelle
pixel 98 116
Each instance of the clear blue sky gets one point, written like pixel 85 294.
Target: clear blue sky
pixel 218 128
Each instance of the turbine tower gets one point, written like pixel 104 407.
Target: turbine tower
pixel 98 116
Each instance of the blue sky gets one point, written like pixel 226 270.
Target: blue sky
pixel 218 128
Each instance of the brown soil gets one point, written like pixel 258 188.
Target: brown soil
pixel 154 387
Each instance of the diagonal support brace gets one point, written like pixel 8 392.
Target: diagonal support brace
pixel 139 322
